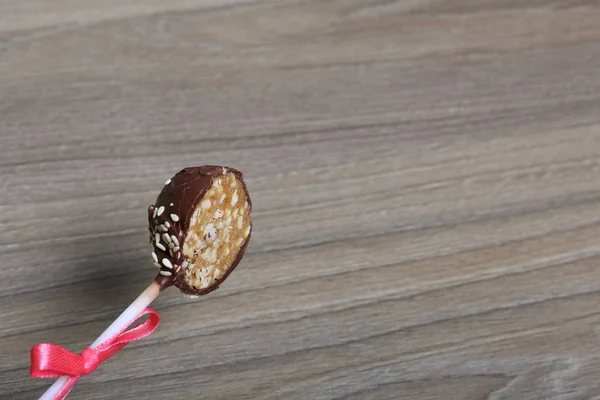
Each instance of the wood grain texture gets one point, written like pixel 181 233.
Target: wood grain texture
pixel 425 178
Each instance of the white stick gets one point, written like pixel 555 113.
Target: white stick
pixel 123 321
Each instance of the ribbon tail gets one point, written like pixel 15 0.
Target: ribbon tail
pixel 64 391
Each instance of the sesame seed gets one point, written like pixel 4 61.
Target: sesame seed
pixel 174 217
pixel 218 214
pixel 154 257
pixel 165 273
pixel 160 246
pixel 154 213
pixel 167 182
pixel 166 237
pixel 157 237
pixel 174 239
pixel 167 263
pixel 163 228
pixel 184 264
pixel 171 253
pixel 240 222
pixel 176 249
pixel 157 265
pixel 160 210
pixel 171 204
pixel 171 245
pixel 234 199
pixel 222 198
pixel 205 203
pixel 167 224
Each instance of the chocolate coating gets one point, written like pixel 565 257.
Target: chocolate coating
pixel 171 215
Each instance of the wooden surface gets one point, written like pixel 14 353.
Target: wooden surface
pixel 425 175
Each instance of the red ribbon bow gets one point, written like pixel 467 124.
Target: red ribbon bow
pixel 49 360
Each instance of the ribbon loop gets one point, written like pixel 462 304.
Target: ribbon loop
pixel 50 360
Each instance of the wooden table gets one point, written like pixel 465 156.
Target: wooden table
pixel 425 178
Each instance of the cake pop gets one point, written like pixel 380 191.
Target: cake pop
pixel 199 228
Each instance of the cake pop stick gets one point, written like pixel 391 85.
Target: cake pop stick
pixel 58 390
pixel 199 228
